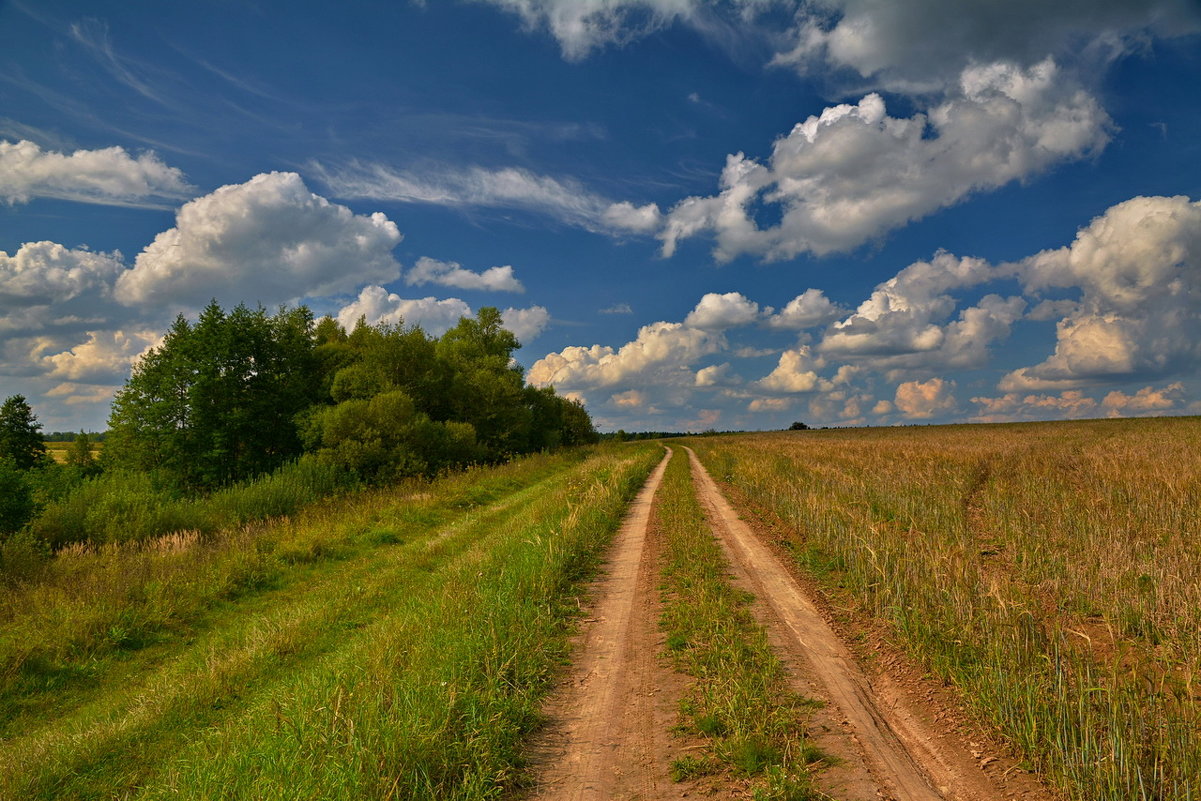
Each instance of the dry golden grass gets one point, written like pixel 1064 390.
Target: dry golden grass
pixel 1052 571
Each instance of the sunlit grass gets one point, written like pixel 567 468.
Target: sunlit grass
pixel 1051 571
pixel 394 644
pixel 738 698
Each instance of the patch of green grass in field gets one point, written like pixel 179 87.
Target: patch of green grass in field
pixel 738 697
pixel 404 659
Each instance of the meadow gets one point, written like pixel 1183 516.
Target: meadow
pixel 1050 571
pixel 388 643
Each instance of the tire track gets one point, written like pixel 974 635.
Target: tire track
pixel 608 736
pixel 895 742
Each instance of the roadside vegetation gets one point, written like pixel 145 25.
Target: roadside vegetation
pixel 243 415
pixel 394 644
pixel 738 697
pixel 1050 571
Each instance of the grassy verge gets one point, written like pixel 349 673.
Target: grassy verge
pixel 738 698
pixel 397 648
pixel 1050 571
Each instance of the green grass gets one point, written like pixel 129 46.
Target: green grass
pixel 1050 571
pixel 738 698
pixel 391 645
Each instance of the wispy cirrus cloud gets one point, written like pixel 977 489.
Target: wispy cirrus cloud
pixel 562 199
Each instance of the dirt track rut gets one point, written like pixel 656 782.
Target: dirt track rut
pixel 610 724
pixel 609 733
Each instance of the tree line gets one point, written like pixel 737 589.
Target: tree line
pixel 236 394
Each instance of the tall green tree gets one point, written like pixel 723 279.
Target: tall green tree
pixel 217 401
pixel 486 387
pixel 21 434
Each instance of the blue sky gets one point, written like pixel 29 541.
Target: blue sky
pixel 695 215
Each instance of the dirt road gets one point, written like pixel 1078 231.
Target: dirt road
pixel 609 736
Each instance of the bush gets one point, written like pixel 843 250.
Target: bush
pixel 16 497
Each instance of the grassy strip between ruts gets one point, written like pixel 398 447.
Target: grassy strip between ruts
pixel 739 698
pixel 412 670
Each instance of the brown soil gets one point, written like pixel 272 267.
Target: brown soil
pixel 609 732
pixel 908 732
pixel 891 731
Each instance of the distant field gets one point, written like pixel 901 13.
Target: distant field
pixel 58 450
pixel 1052 571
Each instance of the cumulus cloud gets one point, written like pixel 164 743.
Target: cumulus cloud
pixel 716 375
pixel 562 199
pixel 47 272
pixel 104 358
pixel 807 310
pixel 526 324
pixel 915 45
pixel 630 399
pixel 663 349
pixel 1137 268
pixel 716 312
pixel 904 321
pixel 110 176
pixel 1147 401
pixel 377 305
pixel 1070 404
pixel 853 172
pixel 1074 403
pixel 769 404
pixel 269 240
pixel 924 399
pixel 795 372
pixel 451 273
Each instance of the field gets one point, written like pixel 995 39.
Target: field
pixel 390 644
pixel 931 613
pixel 1051 572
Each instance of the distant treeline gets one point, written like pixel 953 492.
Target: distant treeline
pixel 69 436
pixel 243 414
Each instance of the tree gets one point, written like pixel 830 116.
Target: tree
pixel 217 401
pixel 21 434
pixel 798 426
pixel 16 496
pixel 80 455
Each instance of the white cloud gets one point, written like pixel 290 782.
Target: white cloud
pixel 625 216
pixel 451 273
pixel 661 353
pixel 795 372
pixel 853 172
pixel 377 305
pixel 716 375
pixel 807 310
pixel 105 358
pixel 580 26
pixel 563 199
pixel 769 404
pixel 618 308
pixel 630 399
pixel 47 272
pixel 269 240
pixel 526 324
pixel 109 176
pixel 716 312
pixel 916 45
pixel 924 399
pixel 1148 401
pixel 903 323
pixel 1138 270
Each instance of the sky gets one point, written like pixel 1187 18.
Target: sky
pixel 694 215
